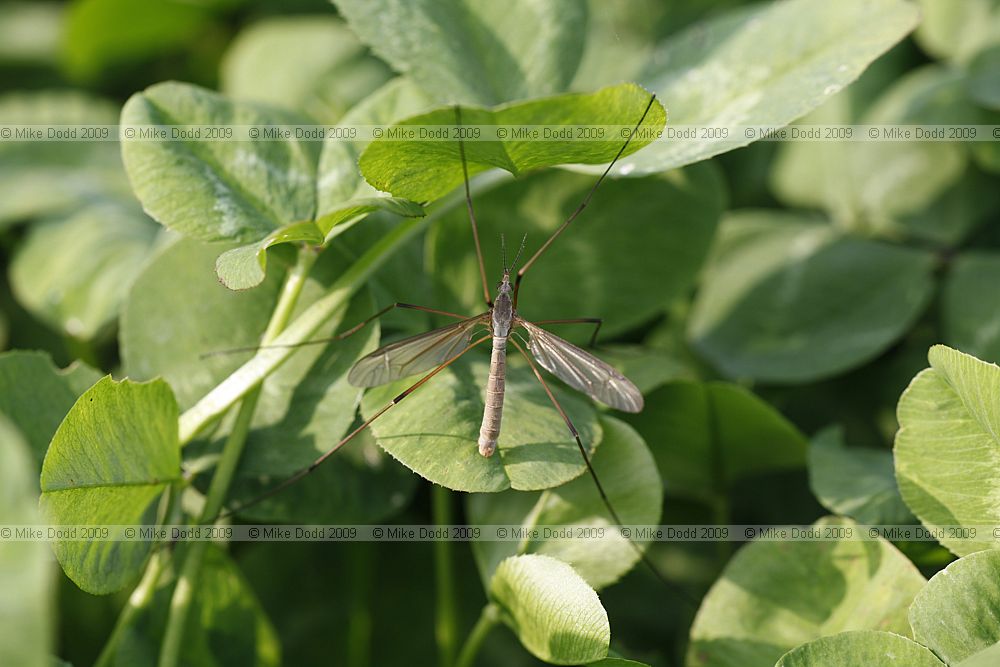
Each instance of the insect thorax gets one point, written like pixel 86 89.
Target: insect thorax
pixel 503 314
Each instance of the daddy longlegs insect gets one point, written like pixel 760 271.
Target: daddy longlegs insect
pixel 435 350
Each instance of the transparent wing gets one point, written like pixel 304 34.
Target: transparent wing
pixel 414 355
pixel 582 370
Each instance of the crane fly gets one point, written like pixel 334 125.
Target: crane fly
pixel 435 350
pixel 574 366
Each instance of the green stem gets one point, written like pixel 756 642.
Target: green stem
pixel 487 619
pixel 139 600
pixel 446 624
pixel 180 603
pixel 333 304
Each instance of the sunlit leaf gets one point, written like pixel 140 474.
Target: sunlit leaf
pixel 108 463
pixel 219 190
pixel 955 613
pixel 424 170
pixel 773 596
pixel 870 648
pixel 726 71
pixel 551 609
pixel 947 450
pixel 434 431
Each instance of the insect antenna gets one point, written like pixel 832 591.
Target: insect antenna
pixel 472 212
pixel 524 240
pixel 586 200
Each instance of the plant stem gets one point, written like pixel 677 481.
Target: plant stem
pixel 446 625
pixel 180 603
pixel 334 303
pixel 487 619
pixel 138 601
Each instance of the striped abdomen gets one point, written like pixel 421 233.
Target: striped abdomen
pixel 492 414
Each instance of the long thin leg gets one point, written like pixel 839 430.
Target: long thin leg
pixel 597 482
pixel 343 334
pixel 350 436
pixel 472 213
pixel 579 209
pixel 579 320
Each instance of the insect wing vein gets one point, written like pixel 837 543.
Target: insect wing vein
pixel 413 355
pixel 582 370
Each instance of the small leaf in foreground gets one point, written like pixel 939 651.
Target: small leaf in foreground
pixel 551 609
